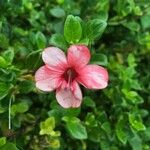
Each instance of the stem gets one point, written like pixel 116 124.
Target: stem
pixel 9 112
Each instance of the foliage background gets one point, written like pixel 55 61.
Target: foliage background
pixel 111 119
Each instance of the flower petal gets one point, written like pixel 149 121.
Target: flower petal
pixel 46 79
pixel 78 56
pixel 68 97
pixel 93 77
pixel 54 58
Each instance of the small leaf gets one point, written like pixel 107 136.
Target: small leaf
pixel 47 126
pixel 2 141
pixel 58 41
pixel 145 21
pixel 136 143
pixel 9 146
pixel 94 29
pixel 26 86
pixel 136 122
pixel 9 56
pixel 40 40
pixel 132 25
pixel 75 128
pixel 57 12
pixel 72 29
pixel 19 108
pixel 121 131
pixel 99 59
pixel 4 89
pixel 4 41
pixel 3 62
pixel 88 102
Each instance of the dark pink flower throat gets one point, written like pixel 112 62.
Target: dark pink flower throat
pixel 69 75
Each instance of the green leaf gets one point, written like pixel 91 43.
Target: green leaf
pixel 58 41
pixel 121 131
pixel 3 62
pixel 72 30
pixel 26 86
pixel 136 122
pixel 145 21
pixel 88 102
pixel 94 29
pixel 4 41
pixel 132 96
pixel 57 12
pixel 136 143
pixel 147 134
pixel 2 141
pixel 75 128
pixel 9 146
pixel 19 108
pixel 99 59
pixel 9 55
pixel 47 126
pixel 132 25
pixel 106 127
pixel 40 40
pixel 4 89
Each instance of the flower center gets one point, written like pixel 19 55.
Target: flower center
pixel 70 74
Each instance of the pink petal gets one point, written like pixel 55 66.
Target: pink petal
pixel 54 58
pixel 93 77
pixel 46 79
pixel 78 56
pixel 69 98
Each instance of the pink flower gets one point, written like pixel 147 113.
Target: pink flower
pixel 63 74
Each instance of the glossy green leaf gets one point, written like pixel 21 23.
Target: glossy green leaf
pixel 94 29
pixel 72 29
pixel 75 128
pixel 121 130
pixel 136 122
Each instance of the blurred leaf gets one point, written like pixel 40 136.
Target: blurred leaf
pixel 3 62
pixel 4 41
pixel 132 25
pixel 136 143
pixel 145 21
pixel 106 127
pixel 9 146
pixel 88 102
pixel 2 141
pixel 4 89
pixel 9 55
pixel 99 59
pixel 40 40
pixel 58 41
pixel 72 30
pixel 26 86
pixel 57 12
